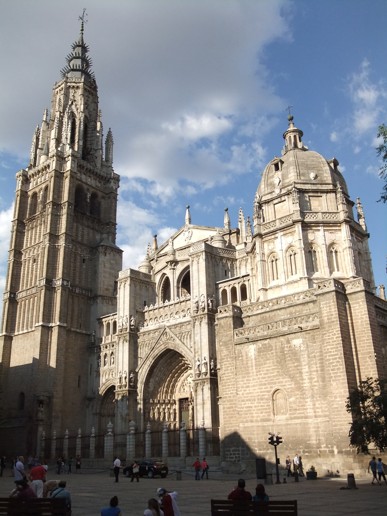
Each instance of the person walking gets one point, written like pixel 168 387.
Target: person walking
pixel 197 467
pixel 168 502
pixel 380 471
pixel 288 464
pixel 37 476
pixel 135 471
pixel 18 469
pixel 372 466
pixel 205 468
pixel 78 464
pixel 116 468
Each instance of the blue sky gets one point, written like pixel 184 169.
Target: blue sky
pixel 196 95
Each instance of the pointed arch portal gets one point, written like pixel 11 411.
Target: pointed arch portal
pixel 167 391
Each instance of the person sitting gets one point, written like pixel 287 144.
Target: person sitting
pixel 61 492
pixel 154 508
pixel 239 493
pixel 113 509
pixel 23 491
pixel 260 494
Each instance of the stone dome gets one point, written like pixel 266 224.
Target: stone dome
pixel 299 167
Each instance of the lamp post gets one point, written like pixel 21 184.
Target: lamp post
pixel 275 440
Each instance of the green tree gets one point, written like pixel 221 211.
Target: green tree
pixel 382 152
pixel 368 407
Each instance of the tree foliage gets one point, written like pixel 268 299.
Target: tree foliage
pixel 368 406
pixel 382 152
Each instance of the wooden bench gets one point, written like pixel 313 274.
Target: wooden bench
pixel 35 506
pixel 244 507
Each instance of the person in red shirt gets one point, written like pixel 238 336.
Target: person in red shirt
pixel 197 467
pixel 240 493
pixel 37 476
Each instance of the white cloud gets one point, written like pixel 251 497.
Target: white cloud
pixel 206 125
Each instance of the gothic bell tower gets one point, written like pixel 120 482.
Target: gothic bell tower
pixel 62 266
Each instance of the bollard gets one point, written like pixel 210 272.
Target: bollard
pixel 178 474
pixel 351 481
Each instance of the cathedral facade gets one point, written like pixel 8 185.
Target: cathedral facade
pixel 237 331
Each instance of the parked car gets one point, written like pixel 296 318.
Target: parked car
pixel 148 468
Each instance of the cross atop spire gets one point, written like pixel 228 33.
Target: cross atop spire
pixel 78 61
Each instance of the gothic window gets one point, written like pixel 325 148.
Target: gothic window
pixel 114 327
pixel 107 329
pixel 273 267
pixel 313 259
pixel 44 197
pixel 73 130
pixel 185 284
pixel 165 290
pixel 33 204
pixel 21 401
pixel 280 403
pixel 333 255
pixel 80 199
pixel 95 207
pixel 243 292
pixel 85 150
pixel 291 258
pixel 234 297
pixel 224 297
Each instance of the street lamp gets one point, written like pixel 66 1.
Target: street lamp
pixel 275 440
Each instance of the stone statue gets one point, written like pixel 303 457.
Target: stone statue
pixel 205 366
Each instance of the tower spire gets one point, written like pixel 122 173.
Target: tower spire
pixel 78 61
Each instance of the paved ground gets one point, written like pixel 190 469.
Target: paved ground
pixel 92 490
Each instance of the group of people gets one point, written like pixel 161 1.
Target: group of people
pixel 240 493
pixel 34 484
pixel 294 467
pixel 164 505
pixel 376 467
pixel 201 468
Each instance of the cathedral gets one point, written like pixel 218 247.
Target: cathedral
pixel 230 333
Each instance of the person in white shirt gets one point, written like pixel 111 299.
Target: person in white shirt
pixel 116 468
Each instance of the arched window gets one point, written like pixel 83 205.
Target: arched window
pixel 80 199
pixel 185 285
pixel 224 297
pixel 313 259
pixel 165 290
pixel 234 296
pixel 95 208
pixel 21 401
pixel 291 259
pixel 243 292
pixel 273 267
pixel 280 403
pixel 333 258
pixel 107 329
pixel 73 130
pixel 44 197
pixel 85 148
pixel 33 206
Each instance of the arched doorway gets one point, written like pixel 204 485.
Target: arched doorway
pixel 168 398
